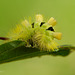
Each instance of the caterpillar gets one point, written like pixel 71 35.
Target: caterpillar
pixel 39 34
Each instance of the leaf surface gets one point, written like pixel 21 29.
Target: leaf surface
pixel 16 50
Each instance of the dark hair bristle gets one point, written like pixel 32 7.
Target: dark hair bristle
pixel 32 25
pixel 50 28
pixel 42 23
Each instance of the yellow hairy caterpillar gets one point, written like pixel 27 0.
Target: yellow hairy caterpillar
pixel 39 34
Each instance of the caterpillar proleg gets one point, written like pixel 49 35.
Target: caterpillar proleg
pixel 39 34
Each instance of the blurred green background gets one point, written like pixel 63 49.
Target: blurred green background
pixel 12 12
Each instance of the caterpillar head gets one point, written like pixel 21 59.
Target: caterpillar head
pixel 45 33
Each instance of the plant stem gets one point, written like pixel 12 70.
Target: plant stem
pixel 4 38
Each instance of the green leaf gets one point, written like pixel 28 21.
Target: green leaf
pixel 16 50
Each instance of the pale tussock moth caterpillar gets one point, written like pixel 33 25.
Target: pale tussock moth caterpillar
pixel 38 34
